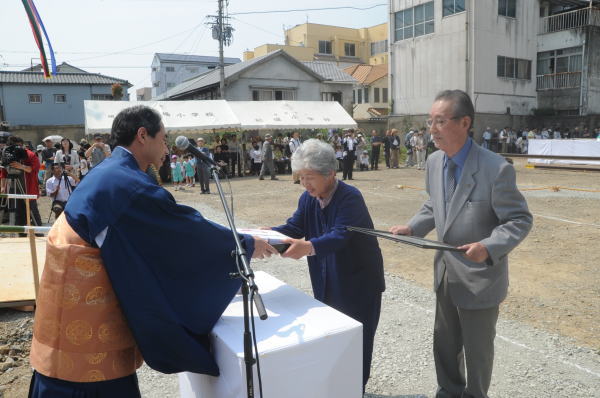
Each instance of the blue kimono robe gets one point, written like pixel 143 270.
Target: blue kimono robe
pixel 169 266
pixel 347 271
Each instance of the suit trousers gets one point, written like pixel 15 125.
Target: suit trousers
pixel 204 174
pixel 348 165
pixel 394 160
pixel 267 166
pixel 375 158
pixel 462 336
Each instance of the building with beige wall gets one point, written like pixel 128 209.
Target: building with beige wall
pixel 346 46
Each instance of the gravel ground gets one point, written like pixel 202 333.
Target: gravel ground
pixel 529 362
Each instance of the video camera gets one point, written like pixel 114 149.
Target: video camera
pixel 12 153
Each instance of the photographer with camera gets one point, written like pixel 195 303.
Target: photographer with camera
pixel 48 158
pixel 97 152
pixel 22 167
pixel 59 187
pixel 67 157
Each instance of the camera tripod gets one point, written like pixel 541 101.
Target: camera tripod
pixel 14 186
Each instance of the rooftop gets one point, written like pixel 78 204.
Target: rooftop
pixel 330 71
pixel 66 74
pixel 194 58
pixel 367 74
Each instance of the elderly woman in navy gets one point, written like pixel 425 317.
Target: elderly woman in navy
pixel 346 268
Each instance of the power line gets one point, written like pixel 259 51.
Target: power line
pixel 309 9
pixel 135 48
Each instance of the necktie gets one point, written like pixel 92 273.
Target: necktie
pixel 450 180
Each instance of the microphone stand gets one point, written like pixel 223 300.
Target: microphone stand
pixel 248 285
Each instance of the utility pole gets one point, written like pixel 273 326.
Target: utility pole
pixel 223 32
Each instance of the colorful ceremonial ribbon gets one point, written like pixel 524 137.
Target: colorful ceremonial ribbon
pixel 36 22
pixel 41 23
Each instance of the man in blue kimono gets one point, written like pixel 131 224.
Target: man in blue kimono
pixel 119 282
pixel 346 268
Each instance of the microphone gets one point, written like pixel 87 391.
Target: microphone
pixel 184 144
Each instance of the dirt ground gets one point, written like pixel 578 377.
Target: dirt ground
pixel 554 273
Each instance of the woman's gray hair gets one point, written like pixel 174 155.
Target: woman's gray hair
pixel 315 155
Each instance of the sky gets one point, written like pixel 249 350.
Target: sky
pixel 118 38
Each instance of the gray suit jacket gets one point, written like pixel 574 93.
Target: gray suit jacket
pixel 486 207
pixel 267 151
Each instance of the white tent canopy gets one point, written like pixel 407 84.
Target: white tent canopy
pixel 176 115
pixel 291 114
pixel 220 114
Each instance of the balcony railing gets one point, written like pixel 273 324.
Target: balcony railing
pixel 570 20
pixel 559 80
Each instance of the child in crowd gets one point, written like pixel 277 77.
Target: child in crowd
pixel 83 166
pixel 190 171
pixel 176 172
pixel 339 155
pixel 363 161
pixel 256 156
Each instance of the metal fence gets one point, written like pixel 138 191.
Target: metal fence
pixel 570 20
pixel 558 80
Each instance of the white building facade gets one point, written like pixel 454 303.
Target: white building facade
pixel 490 49
pixel 169 70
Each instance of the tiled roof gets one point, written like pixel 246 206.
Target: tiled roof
pixel 367 74
pixel 60 78
pixel 330 71
pixel 62 68
pixel 194 58
pixel 213 77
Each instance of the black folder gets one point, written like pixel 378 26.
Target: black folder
pixel 409 240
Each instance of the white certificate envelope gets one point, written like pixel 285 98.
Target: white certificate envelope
pixel 306 348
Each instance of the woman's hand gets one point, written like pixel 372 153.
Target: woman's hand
pixel 298 248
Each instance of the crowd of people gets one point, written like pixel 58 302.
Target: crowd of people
pixel 53 169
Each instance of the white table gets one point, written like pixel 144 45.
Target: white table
pixel 306 348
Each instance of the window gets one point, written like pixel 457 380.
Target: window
pixel 211 67
pixel 349 49
pixel 35 98
pixel 155 84
pixel 375 94
pixel 379 47
pixel 154 69
pixel 514 68
pixel 559 61
pixel 366 89
pixel 414 22
pixel 353 97
pixel 384 95
pixel 453 7
pixel 169 85
pixel 331 97
pixel 324 47
pixel 102 97
pixel 273 95
pixel 170 69
pixel 359 93
pixel 192 70
pixel 507 8
pixel 60 98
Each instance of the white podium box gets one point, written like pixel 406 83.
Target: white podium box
pixel 306 349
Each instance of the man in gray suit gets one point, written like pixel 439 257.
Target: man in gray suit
pixel 267 159
pixel 474 204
